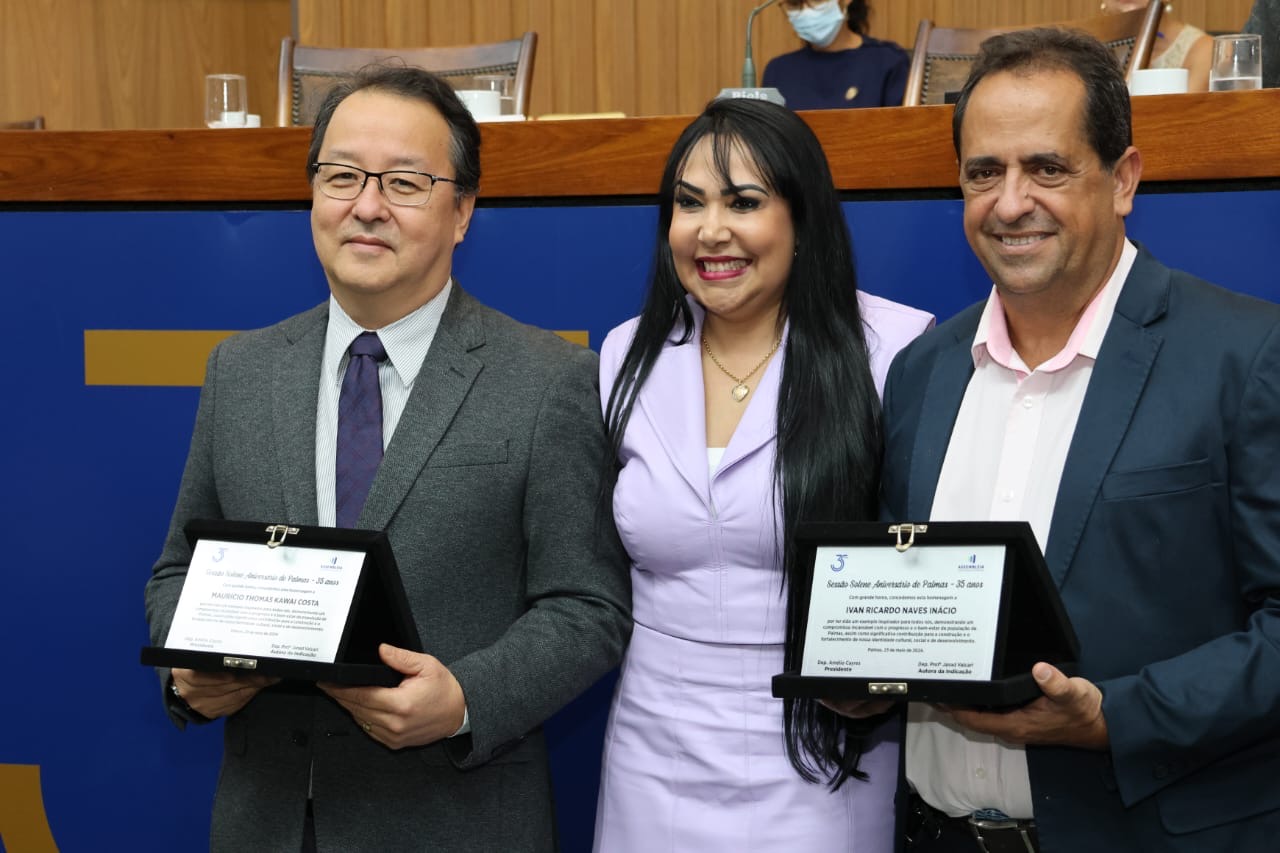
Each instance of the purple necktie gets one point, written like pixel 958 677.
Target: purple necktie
pixel 359 427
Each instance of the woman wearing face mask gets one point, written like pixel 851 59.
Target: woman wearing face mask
pixel 840 66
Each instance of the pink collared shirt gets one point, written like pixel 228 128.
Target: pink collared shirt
pixel 1004 463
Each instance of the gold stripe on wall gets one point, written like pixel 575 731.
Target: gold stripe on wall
pixel 173 358
pixel 146 357
pixel 23 823
pixel 575 336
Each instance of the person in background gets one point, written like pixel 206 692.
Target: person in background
pixel 743 399
pixel 1264 20
pixel 840 66
pixel 1177 45
pixel 1095 393
pixel 480 460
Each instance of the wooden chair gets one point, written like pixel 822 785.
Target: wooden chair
pixel 307 73
pixel 36 123
pixel 942 55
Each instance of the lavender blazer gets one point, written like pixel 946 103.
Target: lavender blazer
pixel 724 588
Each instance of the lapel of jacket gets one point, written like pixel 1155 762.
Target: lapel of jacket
pixel 447 374
pixel 942 395
pixel 295 379
pixel 759 423
pixel 1124 362
pixel 671 401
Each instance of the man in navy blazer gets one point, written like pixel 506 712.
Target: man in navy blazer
pixel 1131 413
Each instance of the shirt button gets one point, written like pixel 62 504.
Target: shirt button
pixel 1007 496
pixel 1027 402
pixel 981 773
pixel 298 737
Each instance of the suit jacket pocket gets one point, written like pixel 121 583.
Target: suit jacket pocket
pixel 1164 480
pixel 454 454
pixel 1235 788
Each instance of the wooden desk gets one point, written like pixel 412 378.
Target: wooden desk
pixel 1205 137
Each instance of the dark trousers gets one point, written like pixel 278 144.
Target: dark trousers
pixel 309 831
pixel 931 831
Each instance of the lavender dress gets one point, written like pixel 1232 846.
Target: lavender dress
pixel 694 757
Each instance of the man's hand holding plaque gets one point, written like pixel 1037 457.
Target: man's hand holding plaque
pixel 425 707
pixel 1068 714
pixel 217 694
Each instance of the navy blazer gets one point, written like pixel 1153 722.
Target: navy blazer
pixel 1165 545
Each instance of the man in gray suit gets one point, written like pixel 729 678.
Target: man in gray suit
pixel 488 490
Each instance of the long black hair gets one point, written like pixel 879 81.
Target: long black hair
pixel 827 462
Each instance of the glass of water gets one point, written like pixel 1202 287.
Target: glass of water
pixel 1237 63
pixel 500 83
pixel 225 98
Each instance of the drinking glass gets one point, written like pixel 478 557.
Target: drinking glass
pixel 225 100
pixel 1237 63
pixel 500 83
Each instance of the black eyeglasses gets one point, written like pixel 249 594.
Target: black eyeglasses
pixel 400 187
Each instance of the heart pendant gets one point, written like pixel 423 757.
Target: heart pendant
pixel 740 392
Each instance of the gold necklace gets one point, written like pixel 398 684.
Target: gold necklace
pixel 740 391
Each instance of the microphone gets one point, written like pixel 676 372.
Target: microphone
pixel 748 64
pixel 749 88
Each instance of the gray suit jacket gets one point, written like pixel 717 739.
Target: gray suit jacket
pixel 488 492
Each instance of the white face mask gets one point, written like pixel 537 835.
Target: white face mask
pixel 818 25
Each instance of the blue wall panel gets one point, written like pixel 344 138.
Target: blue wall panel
pixel 92 472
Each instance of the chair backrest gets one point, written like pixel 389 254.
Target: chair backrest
pixel 36 123
pixel 307 73
pixel 942 56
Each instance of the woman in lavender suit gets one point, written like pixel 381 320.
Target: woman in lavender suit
pixel 743 399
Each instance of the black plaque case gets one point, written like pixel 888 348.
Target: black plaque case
pixel 379 610
pixel 1033 624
